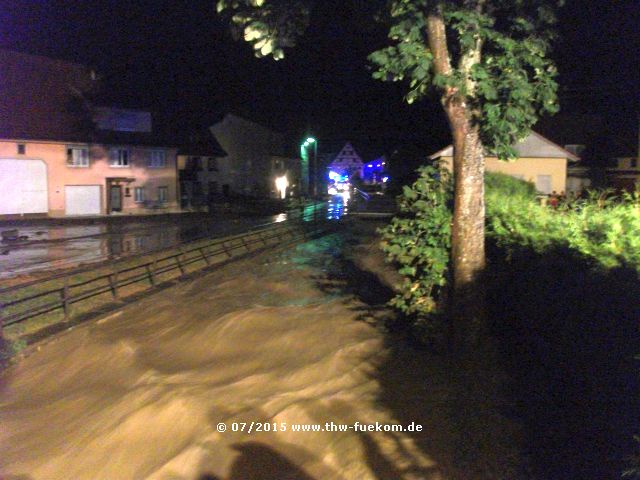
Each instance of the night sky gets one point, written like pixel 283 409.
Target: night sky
pixel 179 59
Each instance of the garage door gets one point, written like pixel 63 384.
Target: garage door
pixel 23 186
pixel 82 199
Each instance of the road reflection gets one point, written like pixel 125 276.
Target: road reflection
pixel 337 207
pixel 53 247
pixel 50 247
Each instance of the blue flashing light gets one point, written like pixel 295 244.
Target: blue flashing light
pixel 384 179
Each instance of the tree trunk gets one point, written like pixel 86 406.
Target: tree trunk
pixel 467 239
pixel 467 236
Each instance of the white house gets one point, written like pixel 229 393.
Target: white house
pixel 347 162
pixel 540 161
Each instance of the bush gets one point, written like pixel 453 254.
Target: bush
pixel 603 230
pixel 418 241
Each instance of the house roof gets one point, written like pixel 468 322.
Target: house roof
pixel 227 131
pixel 52 100
pixel 201 143
pixel 330 149
pixel 42 98
pixel 534 145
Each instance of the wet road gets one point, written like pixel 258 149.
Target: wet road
pixel 49 247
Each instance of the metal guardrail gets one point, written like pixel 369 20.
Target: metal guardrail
pixel 121 273
pixel 362 193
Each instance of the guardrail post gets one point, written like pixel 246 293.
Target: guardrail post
pixel 226 250
pixel 177 257
pixel 204 257
pixel 64 293
pixel 113 280
pixel 244 242
pixel 150 274
pixel 154 266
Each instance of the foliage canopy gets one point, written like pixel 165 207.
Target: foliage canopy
pixel 498 52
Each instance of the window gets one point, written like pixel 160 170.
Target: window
pixel 77 157
pixel 163 194
pixel 119 157
pixel 138 193
pixel 157 159
pixel 22 149
pixel 212 164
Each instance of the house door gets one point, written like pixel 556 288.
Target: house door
pixel 115 197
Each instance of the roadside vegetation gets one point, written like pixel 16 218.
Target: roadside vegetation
pixel 602 230
pixel 563 310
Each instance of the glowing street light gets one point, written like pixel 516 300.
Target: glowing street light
pixel 281 185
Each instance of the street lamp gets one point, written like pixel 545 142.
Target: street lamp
pixel 281 185
pixel 314 173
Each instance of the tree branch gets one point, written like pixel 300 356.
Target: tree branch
pixel 438 43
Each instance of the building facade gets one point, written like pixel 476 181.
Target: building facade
pixel 347 162
pixel 540 162
pixel 199 177
pixel 255 158
pixel 72 178
pixel 62 156
pixel 624 174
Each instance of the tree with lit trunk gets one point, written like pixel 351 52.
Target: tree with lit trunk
pixel 487 59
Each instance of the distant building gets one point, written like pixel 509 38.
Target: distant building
pixel 60 155
pixel 623 172
pixel 588 137
pixel 255 158
pixel 375 171
pixel 347 162
pixel 199 176
pixel 540 161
